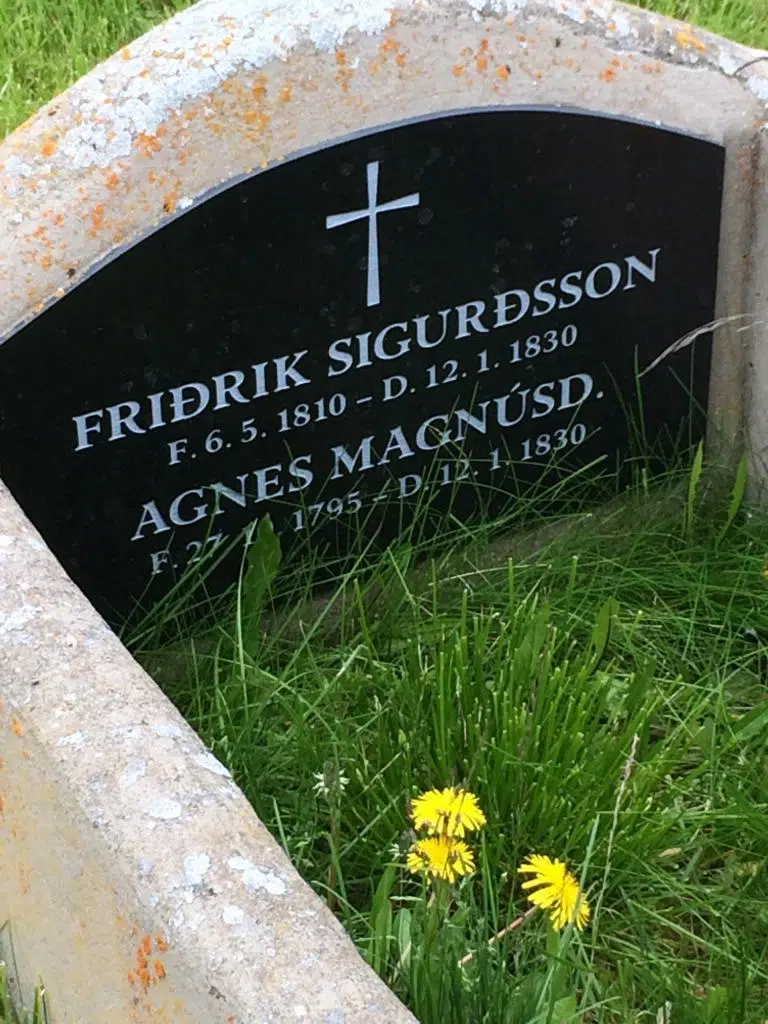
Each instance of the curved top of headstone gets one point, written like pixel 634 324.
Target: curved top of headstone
pixel 229 86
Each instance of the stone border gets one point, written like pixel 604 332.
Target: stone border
pixel 138 880
pixel 136 877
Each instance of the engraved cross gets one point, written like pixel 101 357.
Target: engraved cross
pixel 371 213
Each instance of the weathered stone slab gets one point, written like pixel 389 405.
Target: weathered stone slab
pixel 137 880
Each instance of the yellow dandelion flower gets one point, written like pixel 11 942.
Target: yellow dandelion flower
pixel 555 890
pixel 441 857
pixel 447 812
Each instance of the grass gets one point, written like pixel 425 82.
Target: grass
pixel 743 20
pixel 46 47
pixel 604 697
pixel 9 1012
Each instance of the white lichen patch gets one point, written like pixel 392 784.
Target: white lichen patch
pixel 759 86
pixel 727 62
pixel 212 764
pixel 232 915
pixel 163 808
pixel 75 739
pixel 575 12
pixel 195 867
pixel 131 774
pixel 189 57
pixel 146 866
pixel 17 622
pixel 255 878
pixel 167 729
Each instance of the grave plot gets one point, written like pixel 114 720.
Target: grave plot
pixel 355 283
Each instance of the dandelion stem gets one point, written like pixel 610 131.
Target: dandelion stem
pixel 625 776
pixel 512 926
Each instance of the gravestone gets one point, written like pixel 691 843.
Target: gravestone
pixel 443 312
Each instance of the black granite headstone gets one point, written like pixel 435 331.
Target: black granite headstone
pixel 433 310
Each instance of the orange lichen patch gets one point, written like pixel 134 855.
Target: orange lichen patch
pixel 457 70
pixel 520 37
pixel 97 218
pixel 146 144
pixel 25 753
pixel 503 72
pixel 144 974
pixel 388 46
pixel 46 262
pixel 16 727
pixel 125 53
pixel 2 764
pixel 652 69
pixel 286 93
pixel 59 293
pixel 616 62
pixel 400 60
pixel 607 75
pixel 170 202
pixel 161 944
pixel 49 147
pixel 344 74
pixel 258 118
pixel 689 41
pixel 259 87
pixel 611 26
pixel 482 56
pixel 113 180
pixel 58 219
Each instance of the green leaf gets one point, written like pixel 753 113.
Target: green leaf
pixel 381 919
pixel 565 1011
pixel 693 485
pixel 601 633
pixel 404 939
pixel 716 1005
pixel 263 559
pixel 737 496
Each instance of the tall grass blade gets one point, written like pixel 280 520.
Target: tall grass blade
pixel 737 496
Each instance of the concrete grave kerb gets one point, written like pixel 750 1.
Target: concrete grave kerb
pixel 99 772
